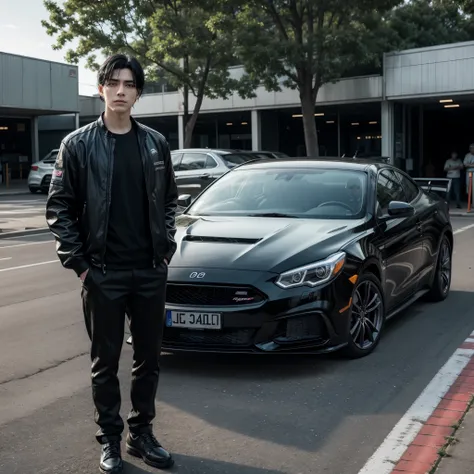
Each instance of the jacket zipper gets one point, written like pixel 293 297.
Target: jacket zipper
pixel 143 153
pixel 110 162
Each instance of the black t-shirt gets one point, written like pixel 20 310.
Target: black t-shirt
pixel 129 243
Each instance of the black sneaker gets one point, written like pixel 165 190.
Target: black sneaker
pixel 147 447
pixel 111 458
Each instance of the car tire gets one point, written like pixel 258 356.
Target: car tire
pixel 366 312
pixel 439 290
pixel 33 190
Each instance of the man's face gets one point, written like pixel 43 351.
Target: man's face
pixel 119 92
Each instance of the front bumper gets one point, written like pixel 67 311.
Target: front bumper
pixel 297 320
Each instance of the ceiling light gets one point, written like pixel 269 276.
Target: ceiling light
pixel 444 101
pixel 244 123
pixel 229 123
pixel 330 121
pixel 321 114
pixel 355 123
pixel 451 106
pixel 297 115
pixel 373 123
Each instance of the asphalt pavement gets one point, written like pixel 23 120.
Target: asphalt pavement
pixel 218 414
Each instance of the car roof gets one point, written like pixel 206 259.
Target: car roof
pixel 359 164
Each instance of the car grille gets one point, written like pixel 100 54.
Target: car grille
pixel 224 338
pixel 204 295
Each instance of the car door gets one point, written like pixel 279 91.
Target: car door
pixel 399 242
pixel 426 209
pixel 188 178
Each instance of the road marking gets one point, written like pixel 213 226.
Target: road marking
pixel 463 229
pixel 405 431
pixel 28 266
pixel 5 258
pixel 25 245
pixel 26 236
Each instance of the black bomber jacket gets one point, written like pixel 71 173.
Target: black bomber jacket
pixel 77 208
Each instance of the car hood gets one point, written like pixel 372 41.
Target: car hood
pixel 259 244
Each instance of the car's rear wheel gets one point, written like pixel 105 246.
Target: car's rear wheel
pixel 442 279
pixel 367 317
pixel 33 190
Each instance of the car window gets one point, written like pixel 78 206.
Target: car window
pixel 307 193
pixel 175 160
pixel 389 189
pixel 410 188
pixel 193 161
pixel 234 159
pixel 210 162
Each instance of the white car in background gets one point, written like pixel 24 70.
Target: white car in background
pixel 41 173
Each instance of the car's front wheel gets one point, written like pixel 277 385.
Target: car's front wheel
pixel 367 317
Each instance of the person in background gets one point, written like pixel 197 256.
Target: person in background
pixel 453 168
pixel 469 165
pixel 111 208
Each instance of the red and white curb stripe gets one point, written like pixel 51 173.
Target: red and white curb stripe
pixel 414 443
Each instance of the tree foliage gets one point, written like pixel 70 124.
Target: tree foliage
pixel 190 40
pixel 423 23
pixel 303 44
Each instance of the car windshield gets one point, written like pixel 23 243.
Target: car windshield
pixel 298 193
pixel 235 159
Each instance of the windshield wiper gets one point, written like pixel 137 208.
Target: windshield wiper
pixel 273 214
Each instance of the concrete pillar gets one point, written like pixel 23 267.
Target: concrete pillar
pixel 34 140
pixel 387 122
pixel 180 132
pixel 256 131
pixel 77 122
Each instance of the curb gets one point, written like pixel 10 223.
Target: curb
pixel 429 447
pixel 22 233
pixel 14 193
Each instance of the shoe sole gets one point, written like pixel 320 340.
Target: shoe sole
pixel 137 454
pixel 118 470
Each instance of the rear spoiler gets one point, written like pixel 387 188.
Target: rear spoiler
pixel 440 186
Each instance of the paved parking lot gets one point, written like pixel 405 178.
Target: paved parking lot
pixel 218 414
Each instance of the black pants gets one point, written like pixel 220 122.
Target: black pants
pixel 106 298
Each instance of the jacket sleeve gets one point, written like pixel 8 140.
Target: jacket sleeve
pixel 62 210
pixel 171 203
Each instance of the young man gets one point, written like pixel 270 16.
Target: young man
pixel 111 208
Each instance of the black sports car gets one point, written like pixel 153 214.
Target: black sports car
pixel 304 255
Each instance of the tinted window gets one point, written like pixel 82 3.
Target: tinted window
pixel 175 159
pixel 309 193
pixel 234 159
pixel 388 189
pixel 210 162
pixel 410 188
pixel 193 161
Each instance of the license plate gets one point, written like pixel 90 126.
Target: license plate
pixel 185 319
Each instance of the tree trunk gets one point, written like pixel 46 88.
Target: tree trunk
pixel 186 101
pixel 189 128
pixel 307 98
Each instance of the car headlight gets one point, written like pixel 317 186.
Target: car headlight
pixel 313 274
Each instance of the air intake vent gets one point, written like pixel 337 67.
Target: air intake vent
pixel 224 240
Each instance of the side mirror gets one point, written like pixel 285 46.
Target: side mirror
pixel 400 209
pixel 184 200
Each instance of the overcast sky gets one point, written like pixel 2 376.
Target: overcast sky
pixel 21 33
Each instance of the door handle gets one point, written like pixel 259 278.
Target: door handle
pixel 205 176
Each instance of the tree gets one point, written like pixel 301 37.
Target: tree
pixel 191 41
pixel 308 43
pixel 423 23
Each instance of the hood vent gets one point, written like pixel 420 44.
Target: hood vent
pixel 224 240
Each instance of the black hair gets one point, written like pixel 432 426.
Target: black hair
pixel 122 61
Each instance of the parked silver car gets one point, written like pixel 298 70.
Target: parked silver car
pixel 196 168
pixel 41 173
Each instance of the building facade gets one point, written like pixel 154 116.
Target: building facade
pixel 31 90
pixel 416 112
